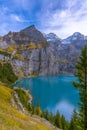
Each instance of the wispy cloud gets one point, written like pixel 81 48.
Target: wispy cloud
pixel 62 17
pixel 15 17
pixel 67 20
pixel 18 18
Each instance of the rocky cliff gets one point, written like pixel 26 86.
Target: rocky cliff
pixel 32 53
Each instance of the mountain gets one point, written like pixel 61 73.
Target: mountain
pixel 25 36
pixel 51 37
pixel 66 51
pixel 76 36
pixel 78 40
pixel 32 53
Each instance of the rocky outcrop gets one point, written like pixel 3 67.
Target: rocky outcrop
pixel 33 53
pixel 15 100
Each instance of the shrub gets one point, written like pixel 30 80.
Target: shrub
pixel 6 73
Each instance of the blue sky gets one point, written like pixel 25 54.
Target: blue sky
pixel 63 17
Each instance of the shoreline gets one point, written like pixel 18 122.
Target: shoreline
pixel 42 76
pixel 27 91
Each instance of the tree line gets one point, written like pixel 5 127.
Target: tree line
pixel 79 118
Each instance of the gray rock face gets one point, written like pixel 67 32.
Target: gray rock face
pixel 33 34
pixel 3 44
pixel 53 56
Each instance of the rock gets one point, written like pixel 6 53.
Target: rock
pixel 40 54
pixel 18 103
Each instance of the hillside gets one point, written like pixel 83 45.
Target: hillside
pixel 12 119
pixel 30 52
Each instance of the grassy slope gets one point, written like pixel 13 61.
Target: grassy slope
pixel 12 119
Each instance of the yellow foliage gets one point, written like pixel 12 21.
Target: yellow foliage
pixel 31 46
pixel 12 119
pixel 11 48
pixel 39 46
pixel 18 56
pixel 1 49
pixel 5 93
pixel 22 47
pixel 33 75
pixel 21 73
pixel 38 111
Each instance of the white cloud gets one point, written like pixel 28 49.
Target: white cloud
pixel 66 21
pixel 64 107
pixel 62 17
pixel 15 17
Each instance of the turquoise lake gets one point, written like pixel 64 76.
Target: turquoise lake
pixel 54 93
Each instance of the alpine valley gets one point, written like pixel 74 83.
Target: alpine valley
pixel 32 53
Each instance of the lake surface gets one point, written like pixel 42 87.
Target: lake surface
pixel 53 93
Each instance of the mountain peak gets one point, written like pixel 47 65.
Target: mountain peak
pixel 74 37
pixel 32 27
pixel 33 34
pixel 77 34
pixel 52 37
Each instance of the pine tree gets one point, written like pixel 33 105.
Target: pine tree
pixel 64 123
pixel 46 115
pixel 74 122
pixel 38 111
pixel 51 117
pixel 81 85
pixel 58 120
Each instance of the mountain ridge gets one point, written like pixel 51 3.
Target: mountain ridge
pixel 34 27
pixel 32 53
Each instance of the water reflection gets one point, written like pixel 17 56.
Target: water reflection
pixel 53 93
pixel 64 107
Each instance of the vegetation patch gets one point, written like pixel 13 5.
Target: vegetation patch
pixel 12 119
pixel 18 56
pixel 4 53
pixel 23 96
pixel 11 48
pixel 6 73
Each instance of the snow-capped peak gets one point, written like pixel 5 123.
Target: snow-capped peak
pixel 51 37
pixel 74 37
